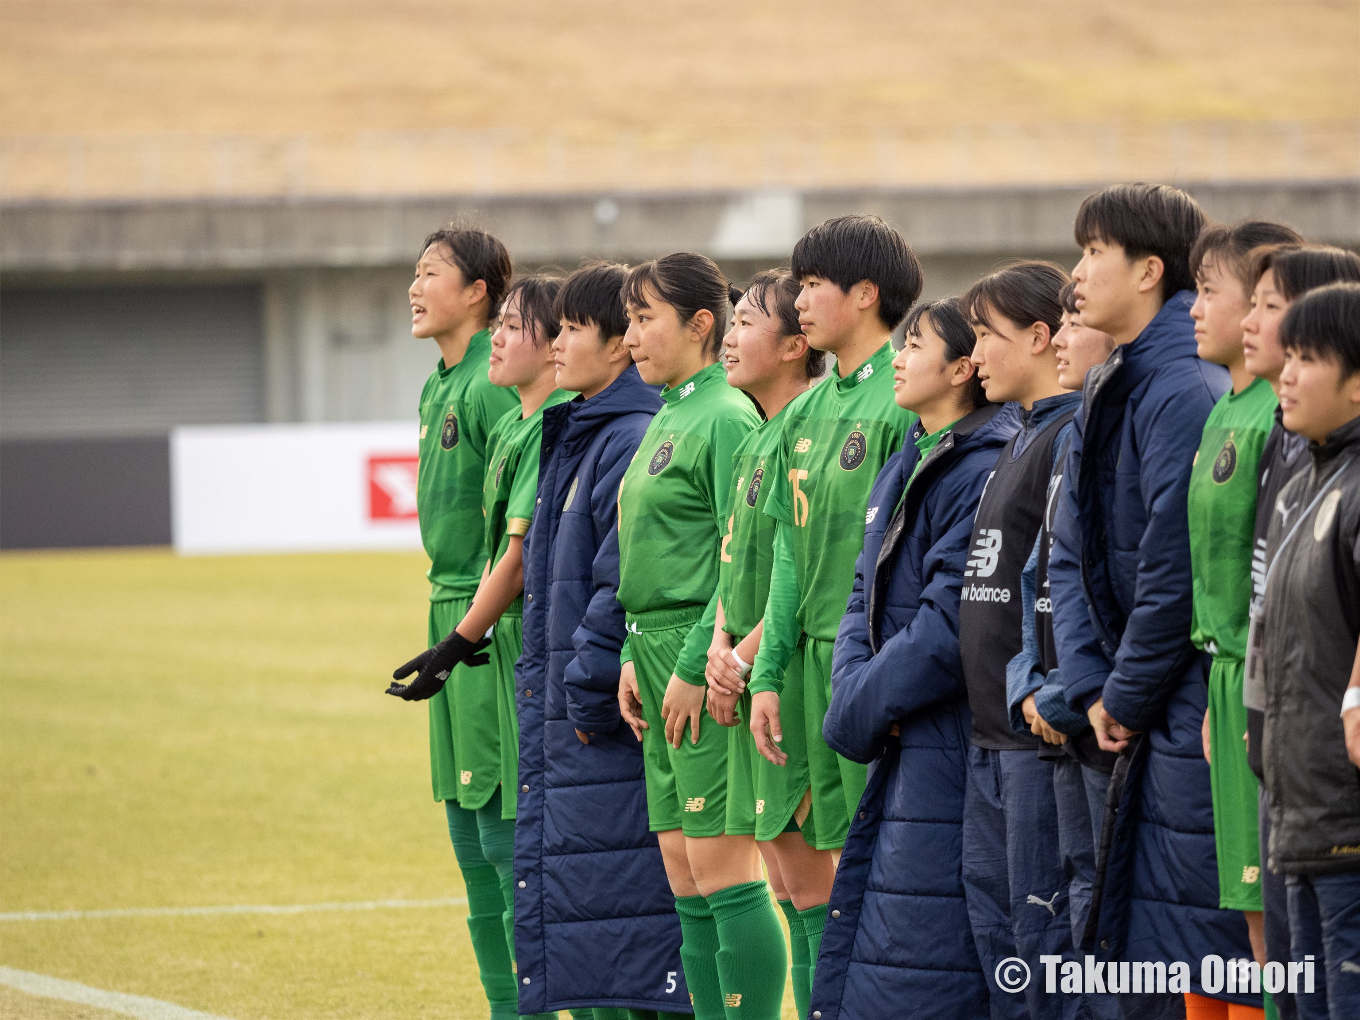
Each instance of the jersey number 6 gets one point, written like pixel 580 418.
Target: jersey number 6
pixel 800 500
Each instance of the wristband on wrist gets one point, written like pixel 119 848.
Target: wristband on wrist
pixel 1351 700
pixel 746 666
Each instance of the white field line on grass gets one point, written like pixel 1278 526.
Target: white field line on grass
pixel 115 1002
pixel 292 908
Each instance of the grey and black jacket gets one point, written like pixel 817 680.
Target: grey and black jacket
pixel 1310 626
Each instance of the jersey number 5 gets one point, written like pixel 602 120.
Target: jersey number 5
pixel 800 500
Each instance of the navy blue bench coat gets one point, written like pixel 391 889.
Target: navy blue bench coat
pixel 595 921
pixel 897 929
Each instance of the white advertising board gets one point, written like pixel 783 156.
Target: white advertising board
pixel 294 488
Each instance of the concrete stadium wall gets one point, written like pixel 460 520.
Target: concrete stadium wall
pixel 333 272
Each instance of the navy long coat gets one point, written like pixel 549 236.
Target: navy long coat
pixel 897 929
pixel 595 921
pixel 1121 586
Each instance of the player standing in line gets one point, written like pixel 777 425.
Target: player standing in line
pixel 595 928
pixel 1034 693
pixel 1013 870
pixel 1309 624
pixel 460 280
pixel 859 278
pixel 1122 589
pixel 521 357
pixel 899 697
pixel 673 505
pixel 765 355
pixel 1222 509
pixel 1279 276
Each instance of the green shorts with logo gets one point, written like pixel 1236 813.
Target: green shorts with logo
pixel 507 642
pixel 1235 791
pixel 465 737
pixel 686 786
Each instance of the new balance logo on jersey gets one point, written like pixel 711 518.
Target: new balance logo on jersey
pixel 465 777
pixel 982 593
pixel 864 373
pixel 1251 874
pixel 760 807
pixel 685 391
pixel 869 517
pixel 424 431
pixel 694 804
pixel 985 554
pixel 802 446
pixel 732 1000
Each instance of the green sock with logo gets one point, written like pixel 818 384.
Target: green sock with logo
pixel 798 951
pixel 814 920
pixel 752 962
pixel 699 956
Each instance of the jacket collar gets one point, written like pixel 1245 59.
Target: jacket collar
pixel 1170 336
pixel 627 394
pixel 1346 438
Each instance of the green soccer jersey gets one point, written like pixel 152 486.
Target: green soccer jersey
pixel 458 409
pixel 834 440
pixel 748 548
pixel 1222 512
pixel 510 485
pixel 673 501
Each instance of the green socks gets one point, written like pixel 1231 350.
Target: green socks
pixel 798 945
pixel 699 956
pixel 486 925
pixel 752 963
pixel 814 920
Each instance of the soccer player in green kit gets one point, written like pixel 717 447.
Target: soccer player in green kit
pixel 859 278
pixel 766 355
pixel 522 358
pixel 673 508
pixel 1222 510
pixel 460 281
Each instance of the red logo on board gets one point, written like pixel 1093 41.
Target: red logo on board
pixel 392 487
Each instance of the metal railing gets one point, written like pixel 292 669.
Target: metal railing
pixel 161 166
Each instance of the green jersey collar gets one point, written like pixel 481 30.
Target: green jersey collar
pixel 699 380
pixel 477 349
pixel 880 361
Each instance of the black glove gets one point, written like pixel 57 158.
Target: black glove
pixel 435 664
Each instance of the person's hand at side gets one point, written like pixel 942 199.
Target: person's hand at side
pixel 630 701
pixel 1204 734
pixel 683 702
pixel 434 666
pixel 1110 735
pixel 1038 725
pixel 765 726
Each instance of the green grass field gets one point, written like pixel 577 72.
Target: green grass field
pixel 208 732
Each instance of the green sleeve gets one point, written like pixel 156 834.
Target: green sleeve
pixel 519 507
pixel 625 652
pixel 779 639
pixel 728 434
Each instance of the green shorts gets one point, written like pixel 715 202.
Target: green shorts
pixel 741 788
pixel 837 783
pixel 465 737
pixel 686 786
pixel 507 642
pixel 779 789
pixel 1235 791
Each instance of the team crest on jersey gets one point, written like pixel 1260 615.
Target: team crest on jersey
pixel 448 438
pixel 661 458
pixel 753 491
pixel 571 493
pixel 854 450
pixel 1225 463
